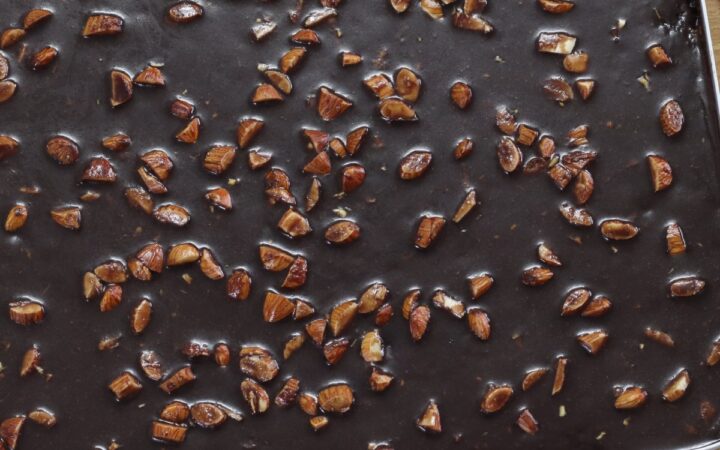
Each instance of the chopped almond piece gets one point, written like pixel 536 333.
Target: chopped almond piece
pixel 239 284
pixel 191 132
pixel 536 276
pixel 297 274
pixel 10 431
pixel 631 398
pixel 559 381
pixel 258 363
pixel 305 36
pixel 316 330
pixel 280 80
pixel 277 307
pixel 527 422
pixel 180 254
pixel 43 417
pixel 419 319
pixel 558 89
pixel 658 57
pixel 675 239
pixel 292 345
pixel 556 6
pixel 480 285
pixel 380 380
pixel 444 301
pixel 342 232
pixel 407 85
pixel 150 76
pixel 463 148
pixel 247 129
pixel 182 109
pixel 393 109
pixel 661 172
pixel 294 224
pixel 335 349
pixel 575 301
pixel 371 347
pixel 400 6
pixel 479 323
pixel 317 139
pixel 121 88
pixel 219 158
pixel 532 377
pixel 659 337
pixel 331 105
pixel 546 255
pixel 319 16
pixel 341 316
pixel 263 29
pixel 676 388
pixel 99 170
pixel 125 386
pixel 30 362
pixel 576 62
pixel 432 8
pixel 380 85
pixel 8 146
pixel 177 380
pixel 337 398
pixel 671 118
pixel 415 164
pixel 461 94
pixel 687 287
pixel 303 309
pixel 355 138
pixel 168 432
pixel 350 59
pixel 16 218
pixel 546 147
pixel 288 394
pixel 274 259
pixel 495 398
pixel 598 306
pixel 593 341
pixel 471 22
pixel 428 230
pixel 290 60
pixel 576 216
pixel 509 155
pixel 584 187
pixel 429 420
pixel 618 230
pixel 140 316
pixel 585 88
pixel 35 17
pixel 102 25
pixel 319 165
pixel 372 298
pixel 184 12
pixel 266 93
pixel 556 43
pixel 257 160
pixel 505 121
pixel 352 177
pixel 219 197
pixel 526 135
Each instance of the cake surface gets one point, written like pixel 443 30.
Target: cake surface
pixel 625 381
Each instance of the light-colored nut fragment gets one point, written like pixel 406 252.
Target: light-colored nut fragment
pixel 593 341
pixel 676 388
pixel 255 395
pixel 239 284
pixel 618 230
pixel 125 386
pixel 247 129
pixel 631 397
pixel 429 420
pixel 556 6
pixel 185 253
pixel 372 298
pixel 428 230
pixel 495 398
pixel 557 43
pixel 380 84
pixel 331 105
pixel 575 301
pixel 536 276
pixel 177 380
pixel 407 85
pixel 675 239
pixel 140 316
pixel 660 172
pixel 277 307
pixel 419 319
pixel 479 323
pixel 336 398
pixel 533 377
pixel 671 118
pixel 258 363
pixel 341 316
pixel 342 232
pixel 480 284
pixel 16 218
pixel 168 432
pixel 294 224
pixel 442 300
pixel 527 422
pixel 371 347
pixel 393 109
pixel 687 287
pixel 559 380
pixel 509 155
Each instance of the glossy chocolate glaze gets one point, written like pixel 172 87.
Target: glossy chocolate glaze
pixel 213 62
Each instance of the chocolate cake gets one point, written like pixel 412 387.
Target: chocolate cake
pixel 381 224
